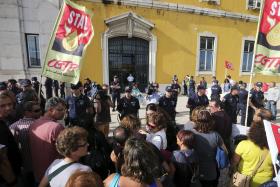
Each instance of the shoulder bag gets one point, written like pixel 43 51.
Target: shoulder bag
pixel 241 180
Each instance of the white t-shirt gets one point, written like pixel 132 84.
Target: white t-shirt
pixel 158 139
pixel 61 179
pixel 130 78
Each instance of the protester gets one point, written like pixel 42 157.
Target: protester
pixel 13 87
pixel 6 137
pixel 242 102
pixel 185 160
pixel 130 79
pixel 141 166
pixel 206 143
pixel 132 123
pixel 84 179
pixel 272 97
pixel 31 112
pixel 227 86
pixel 43 134
pixel 87 86
pixel 55 87
pixel 252 157
pixel 72 145
pixel 3 87
pixel 185 84
pixel 203 82
pixel 193 117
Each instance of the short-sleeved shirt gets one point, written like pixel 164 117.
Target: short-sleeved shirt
pixel 77 105
pixel 250 155
pixel 206 147
pixel 61 179
pixel 158 139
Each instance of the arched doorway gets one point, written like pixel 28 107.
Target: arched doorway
pixel 129 55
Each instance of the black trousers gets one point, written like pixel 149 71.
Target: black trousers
pixel 116 97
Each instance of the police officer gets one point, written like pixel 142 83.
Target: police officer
pixel 116 91
pixel 128 104
pixel 216 90
pixel 256 101
pixel 79 107
pixel 198 99
pixel 48 86
pixel 191 87
pixel 168 102
pixel 241 107
pixel 176 89
pixel 230 102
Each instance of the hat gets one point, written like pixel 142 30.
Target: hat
pixel 25 82
pixel 34 78
pixel 200 87
pixel 76 86
pixel 259 84
pixel 12 81
pixel 3 86
pixel 168 89
pixel 235 87
pixel 127 89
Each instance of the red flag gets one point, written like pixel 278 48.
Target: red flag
pixel 228 65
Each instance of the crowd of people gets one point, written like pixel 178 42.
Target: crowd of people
pixel 62 140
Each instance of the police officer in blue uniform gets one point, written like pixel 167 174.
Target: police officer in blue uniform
pixel 168 103
pixel 241 107
pixel 128 104
pixel 230 102
pixel 79 107
pixel 216 90
pixel 198 99
pixel 176 89
pixel 256 101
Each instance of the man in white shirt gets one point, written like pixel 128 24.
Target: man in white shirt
pixel 130 79
pixel 272 98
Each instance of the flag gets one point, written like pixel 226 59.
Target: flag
pixel 72 34
pixel 267 52
pixel 228 65
pixel 273 139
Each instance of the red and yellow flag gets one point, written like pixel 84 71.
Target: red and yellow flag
pixel 72 33
pixel 267 55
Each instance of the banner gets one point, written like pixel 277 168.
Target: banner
pixel 228 65
pixel 72 33
pixel 267 55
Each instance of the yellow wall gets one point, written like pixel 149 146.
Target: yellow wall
pixel 177 40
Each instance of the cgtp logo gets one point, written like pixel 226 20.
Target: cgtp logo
pixel 63 65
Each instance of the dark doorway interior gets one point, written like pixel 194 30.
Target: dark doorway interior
pixel 129 55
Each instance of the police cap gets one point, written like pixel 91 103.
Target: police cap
pixel 259 84
pixel 235 88
pixel 25 82
pixel 168 89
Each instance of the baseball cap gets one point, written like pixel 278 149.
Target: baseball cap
pixel 25 82
pixel 168 89
pixel 127 89
pixel 200 87
pixel 235 87
pixel 259 84
pixel 3 86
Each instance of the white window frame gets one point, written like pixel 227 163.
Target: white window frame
pixel 253 7
pixel 206 34
pixel 28 51
pixel 247 38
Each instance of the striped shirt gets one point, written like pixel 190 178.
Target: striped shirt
pixel 20 131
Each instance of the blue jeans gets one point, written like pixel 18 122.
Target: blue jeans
pixel 271 105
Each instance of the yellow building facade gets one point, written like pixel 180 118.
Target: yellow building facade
pixel 157 39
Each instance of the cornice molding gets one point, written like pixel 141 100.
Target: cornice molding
pixel 181 8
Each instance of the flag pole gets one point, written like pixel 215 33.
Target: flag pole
pixel 253 62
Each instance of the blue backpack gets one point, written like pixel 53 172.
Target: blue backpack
pixel 222 158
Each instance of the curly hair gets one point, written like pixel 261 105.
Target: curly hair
pixel 195 111
pixel 204 122
pixel 155 108
pixel 68 140
pixel 257 134
pixel 158 119
pixel 84 179
pixel 131 122
pixel 140 161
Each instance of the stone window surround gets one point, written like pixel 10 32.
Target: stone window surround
pixel 250 38
pixel 131 25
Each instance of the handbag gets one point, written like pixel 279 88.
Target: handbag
pixel 222 158
pixel 241 180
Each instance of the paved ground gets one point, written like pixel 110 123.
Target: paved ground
pixel 181 118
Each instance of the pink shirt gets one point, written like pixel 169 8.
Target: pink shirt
pixel 42 136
